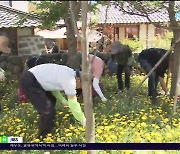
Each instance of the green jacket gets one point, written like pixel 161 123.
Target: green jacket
pixel 122 56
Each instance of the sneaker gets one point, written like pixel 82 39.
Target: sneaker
pixel 104 99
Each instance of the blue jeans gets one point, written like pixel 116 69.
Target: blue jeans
pixel 127 72
pixel 153 78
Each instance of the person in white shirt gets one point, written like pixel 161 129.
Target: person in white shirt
pixel 42 85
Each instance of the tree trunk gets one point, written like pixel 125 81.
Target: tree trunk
pixel 71 38
pixel 86 80
pixel 176 61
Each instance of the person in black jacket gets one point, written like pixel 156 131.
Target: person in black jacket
pixel 148 59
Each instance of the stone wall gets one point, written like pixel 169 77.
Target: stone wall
pixel 16 64
pixel 28 45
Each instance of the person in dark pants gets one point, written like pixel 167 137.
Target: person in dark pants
pixel 42 85
pixel 148 59
pixel 112 65
pixel 122 53
pixel 31 62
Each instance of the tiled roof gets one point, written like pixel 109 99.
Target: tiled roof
pixel 115 16
pixel 9 18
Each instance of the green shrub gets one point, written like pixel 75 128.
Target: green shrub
pixel 158 42
pixel 163 41
pixel 135 45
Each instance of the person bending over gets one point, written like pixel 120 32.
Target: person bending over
pixel 42 85
pixel 148 59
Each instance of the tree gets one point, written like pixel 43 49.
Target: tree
pixel 86 76
pixel 53 11
pixel 145 8
pixel 70 12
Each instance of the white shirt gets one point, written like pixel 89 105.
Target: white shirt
pixel 54 77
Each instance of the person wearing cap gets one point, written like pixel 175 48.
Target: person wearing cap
pixel 122 54
pixel 42 85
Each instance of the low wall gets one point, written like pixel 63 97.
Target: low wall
pixel 16 64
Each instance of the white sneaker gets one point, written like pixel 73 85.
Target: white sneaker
pixel 104 99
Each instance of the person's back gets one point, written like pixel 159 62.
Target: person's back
pixel 153 55
pixel 53 76
pixel 121 52
pixel 97 65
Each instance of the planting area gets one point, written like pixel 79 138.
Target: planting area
pixel 118 120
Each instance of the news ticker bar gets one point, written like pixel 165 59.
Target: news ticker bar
pixel 90 146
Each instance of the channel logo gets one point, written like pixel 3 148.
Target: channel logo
pixel 5 139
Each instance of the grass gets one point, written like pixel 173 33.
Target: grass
pixel 117 121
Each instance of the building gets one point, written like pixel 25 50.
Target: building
pixel 19 26
pixel 18 5
pixel 125 26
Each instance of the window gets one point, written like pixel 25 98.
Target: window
pixel 132 32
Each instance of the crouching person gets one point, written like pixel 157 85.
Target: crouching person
pixel 148 59
pixel 42 85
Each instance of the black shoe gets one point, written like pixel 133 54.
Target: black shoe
pixel 154 100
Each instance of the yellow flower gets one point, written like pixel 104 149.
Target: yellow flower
pixel 169 135
pixel 168 127
pixel 17 132
pixel 66 115
pixel 71 127
pixel 36 140
pixel 115 120
pixel 137 139
pixel 48 140
pixel 22 134
pixel 128 152
pixel 117 114
pixel 69 134
pixel 49 135
pixel 143 124
pixel 83 152
pixel 113 136
pixel 99 131
pixel 132 124
pixel 67 130
pixel 144 117
pixel 105 123
pixel 148 136
pixel 82 129
pixel 17 120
